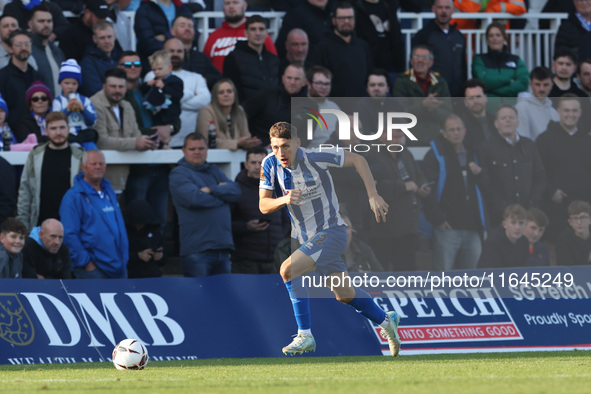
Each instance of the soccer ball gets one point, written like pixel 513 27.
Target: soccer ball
pixel 130 354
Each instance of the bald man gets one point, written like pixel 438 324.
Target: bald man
pixel 44 255
pixel 296 47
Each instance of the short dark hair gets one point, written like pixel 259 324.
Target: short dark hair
pixel 127 53
pixel 540 73
pixel 256 19
pixel 116 73
pixel 538 217
pixel 181 16
pixel 475 83
pixel 586 60
pixel 577 207
pixel 18 32
pixel 379 72
pixel 317 70
pixel 8 15
pixel 39 8
pixel 55 116
pixel 13 225
pixel 194 136
pixel 283 130
pixel 503 106
pixel 564 52
pixel 256 150
pixel 342 5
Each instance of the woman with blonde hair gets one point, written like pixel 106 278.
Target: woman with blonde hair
pixel 228 117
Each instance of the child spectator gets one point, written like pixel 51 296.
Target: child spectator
pixel 536 224
pixel 507 247
pixel 162 95
pixel 573 246
pixel 12 241
pixel 146 246
pixel 78 108
pixel 4 128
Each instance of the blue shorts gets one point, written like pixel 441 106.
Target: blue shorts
pixel 326 249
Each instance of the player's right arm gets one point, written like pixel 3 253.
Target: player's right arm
pixel 269 204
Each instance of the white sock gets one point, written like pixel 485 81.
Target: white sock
pixel 308 331
pixel 384 324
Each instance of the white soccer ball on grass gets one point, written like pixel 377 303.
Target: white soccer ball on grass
pixel 130 354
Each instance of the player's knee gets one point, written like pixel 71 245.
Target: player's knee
pixel 344 300
pixel 285 271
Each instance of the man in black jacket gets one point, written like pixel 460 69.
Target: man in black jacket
pixel 513 172
pixel 270 106
pixel 448 44
pixel 572 34
pixel 472 109
pixel 255 235
pixel 564 149
pixel 346 56
pixel 378 24
pixel 312 16
pixel 456 209
pixel 44 255
pixel 250 66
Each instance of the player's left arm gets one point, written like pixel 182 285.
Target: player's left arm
pixel 376 202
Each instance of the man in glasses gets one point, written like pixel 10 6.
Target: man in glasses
pixel 18 75
pixel 319 80
pixel 336 50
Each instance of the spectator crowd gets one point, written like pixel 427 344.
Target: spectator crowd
pixel 505 181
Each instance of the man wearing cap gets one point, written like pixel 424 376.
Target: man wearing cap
pixel 78 37
pixel 18 75
pixel 47 55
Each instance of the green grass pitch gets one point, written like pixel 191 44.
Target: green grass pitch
pixel 541 372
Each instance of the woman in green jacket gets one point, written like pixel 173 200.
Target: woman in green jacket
pixel 505 74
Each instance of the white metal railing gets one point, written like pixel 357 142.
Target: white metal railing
pixel 534 46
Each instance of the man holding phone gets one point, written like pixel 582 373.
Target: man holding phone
pixel 255 235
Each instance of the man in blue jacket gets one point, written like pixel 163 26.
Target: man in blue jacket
pixel 202 194
pixel 94 229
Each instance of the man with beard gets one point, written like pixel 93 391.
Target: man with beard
pixel 49 172
pixel 196 95
pixel 47 55
pixel 116 124
pixel 8 24
pixel 336 50
pixel 480 124
pixel 448 45
pixel 565 67
pixel 223 40
pixel 18 75
pixel 196 61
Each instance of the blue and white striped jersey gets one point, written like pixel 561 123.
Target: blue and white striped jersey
pixel 320 207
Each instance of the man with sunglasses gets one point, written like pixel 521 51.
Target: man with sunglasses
pixel 18 75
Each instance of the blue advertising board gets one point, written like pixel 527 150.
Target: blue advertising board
pixel 52 321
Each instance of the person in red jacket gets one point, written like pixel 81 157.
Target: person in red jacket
pixel 222 40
